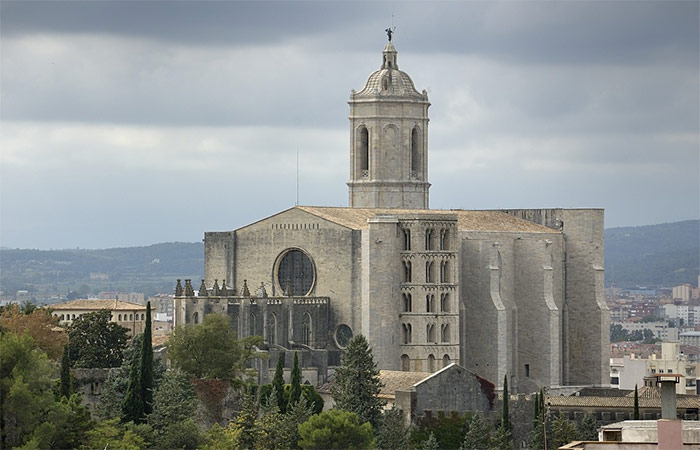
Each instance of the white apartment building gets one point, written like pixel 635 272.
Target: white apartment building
pixel 673 361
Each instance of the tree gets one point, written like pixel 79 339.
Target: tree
pixel 357 384
pixel 500 439
pixel 25 388
pixel 39 324
pixel 112 434
pixel 210 349
pixel 64 425
pixel 392 433
pixel 181 435
pixel 146 382
pixel 563 432
pixel 477 435
pixel 66 387
pixel 96 342
pixel 505 420
pixel 588 430
pixel 635 415
pixel 295 390
pixel 336 429
pixel 449 430
pixel 278 383
pixel 173 401
pixel 132 408
pixel 431 443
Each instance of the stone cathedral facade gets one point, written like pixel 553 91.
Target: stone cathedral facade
pixel 516 293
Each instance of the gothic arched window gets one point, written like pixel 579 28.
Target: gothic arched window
pixel 296 272
pixel 431 363
pixel 252 329
pixel 405 363
pixel 272 328
pixel 430 333
pixel 195 318
pixel 445 302
pixel 407 303
pixel 306 330
pixel 407 333
pixel 406 239
pixel 407 272
pixel 445 360
pixel 445 333
pixel 234 325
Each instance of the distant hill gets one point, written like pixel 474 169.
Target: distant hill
pixel 663 255
pixel 149 269
pixel 656 255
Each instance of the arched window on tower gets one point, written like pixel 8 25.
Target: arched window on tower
pixel 407 333
pixel 445 333
pixel 252 327
pixel 444 272
pixel 446 360
pixel 430 272
pixel 415 153
pixel 234 325
pixel 430 333
pixel 406 239
pixel 445 302
pixel 363 152
pixel 407 271
pixel 430 303
pixel 431 363
pixel 306 330
pixel 405 363
pixel 430 239
pixel 195 318
pixel 407 303
pixel 443 239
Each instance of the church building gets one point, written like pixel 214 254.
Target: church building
pixel 504 293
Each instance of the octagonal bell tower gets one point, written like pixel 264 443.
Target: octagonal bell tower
pixel 389 140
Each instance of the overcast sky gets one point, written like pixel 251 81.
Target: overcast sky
pixel 132 123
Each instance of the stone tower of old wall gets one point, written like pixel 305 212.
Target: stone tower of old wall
pixel 389 140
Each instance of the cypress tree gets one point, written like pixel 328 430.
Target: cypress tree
pixel 635 414
pixel 132 408
pixel 66 382
pixel 295 391
pixel 278 384
pixel 505 421
pixel 146 372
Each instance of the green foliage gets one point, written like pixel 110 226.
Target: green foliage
pixel 295 384
pixel 500 439
pixel 431 443
pixel 38 323
pixel 146 381
pixel 246 422
pixel 210 349
pixel 111 433
pixel 636 404
pixel 278 383
pixel 335 429
pixel 448 430
pixel 95 342
pixel 619 334
pixel 133 407
pixel 392 433
pixel 64 425
pixel 271 432
pixel 563 432
pixel 218 437
pixel 66 387
pixel 183 435
pixel 357 384
pixel 505 420
pixel 313 398
pixel 477 436
pixel 541 426
pixel 25 388
pixel 588 429
pixel 173 401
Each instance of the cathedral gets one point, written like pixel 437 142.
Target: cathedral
pixel 504 293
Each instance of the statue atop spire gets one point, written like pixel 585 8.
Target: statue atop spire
pixel 390 32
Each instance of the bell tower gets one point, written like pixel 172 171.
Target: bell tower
pixel 389 140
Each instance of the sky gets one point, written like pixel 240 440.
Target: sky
pixel 133 123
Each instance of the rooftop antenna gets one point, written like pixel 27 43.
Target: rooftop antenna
pixel 297 201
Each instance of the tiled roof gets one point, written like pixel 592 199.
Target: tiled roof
pixel 648 401
pixel 157 341
pixel 394 380
pixel 467 220
pixel 113 305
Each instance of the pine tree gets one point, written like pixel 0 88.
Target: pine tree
pixel 146 370
pixel 563 432
pixel 635 415
pixel 588 430
pixel 500 439
pixel 295 391
pixel 505 421
pixel 357 382
pixel 278 384
pixel 477 435
pixel 66 382
pixel 392 433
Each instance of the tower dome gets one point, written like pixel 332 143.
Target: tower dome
pixel 389 80
pixel 389 140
